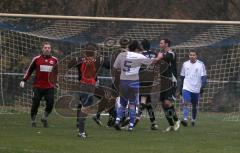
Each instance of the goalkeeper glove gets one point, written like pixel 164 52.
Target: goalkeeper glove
pixel 22 84
pixel 201 91
pixel 57 86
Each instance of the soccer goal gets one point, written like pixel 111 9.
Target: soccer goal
pixel 21 35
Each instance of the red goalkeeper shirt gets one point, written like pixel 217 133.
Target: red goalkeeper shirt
pixel 46 71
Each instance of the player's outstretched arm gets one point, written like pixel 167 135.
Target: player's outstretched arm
pixel 158 58
pixel 74 62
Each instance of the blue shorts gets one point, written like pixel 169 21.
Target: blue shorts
pixel 129 92
pixel 190 97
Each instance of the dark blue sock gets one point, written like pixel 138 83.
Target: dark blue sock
pixel 194 112
pixel 132 109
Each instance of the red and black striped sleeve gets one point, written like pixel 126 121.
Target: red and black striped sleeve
pixel 30 69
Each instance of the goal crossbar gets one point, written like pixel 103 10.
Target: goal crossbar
pixel 60 17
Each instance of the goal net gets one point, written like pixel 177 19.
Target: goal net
pixel 22 35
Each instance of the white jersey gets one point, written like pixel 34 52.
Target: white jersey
pixel 130 63
pixel 193 73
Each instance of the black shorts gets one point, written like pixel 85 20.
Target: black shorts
pixel 147 92
pixel 47 93
pixel 167 95
pixel 86 94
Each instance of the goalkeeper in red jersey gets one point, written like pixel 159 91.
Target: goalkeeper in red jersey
pixel 45 66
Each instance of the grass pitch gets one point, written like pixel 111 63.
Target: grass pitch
pixel 211 135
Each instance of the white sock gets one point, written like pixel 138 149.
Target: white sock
pixel 117 119
pixel 131 124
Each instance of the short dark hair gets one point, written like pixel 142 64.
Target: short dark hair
pixel 167 41
pixel 90 49
pixel 194 51
pixel 45 43
pixel 133 45
pixel 125 41
pixel 145 44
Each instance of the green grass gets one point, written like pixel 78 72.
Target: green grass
pixel 211 135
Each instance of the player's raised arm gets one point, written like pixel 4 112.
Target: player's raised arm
pixel 74 62
pixel 106 63
pixel 117 62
